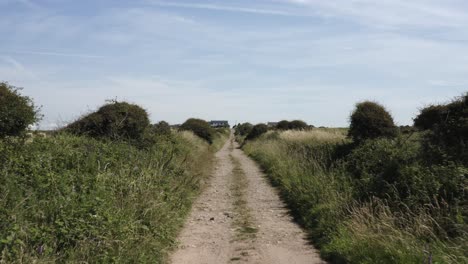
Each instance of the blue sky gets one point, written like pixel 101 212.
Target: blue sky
pixel 239 60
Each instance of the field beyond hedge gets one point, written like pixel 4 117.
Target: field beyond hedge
pixel 76 199
pixel 378 202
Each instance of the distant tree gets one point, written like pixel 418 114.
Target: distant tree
pixel 298 125
pixel 17 112
pixel 371 120
pixel 200 128
pixel 115 120
pixel 257 131
pixel 283 125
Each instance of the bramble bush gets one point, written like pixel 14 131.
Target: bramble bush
pixel 115 121
pixel 257 131
pixel 161 128
pixel 298 125
pixel 200 128
pixel 283 125
pixel 291 125
pixel 447 130
pixel 243 129
pixel 370 120
pixel 17 112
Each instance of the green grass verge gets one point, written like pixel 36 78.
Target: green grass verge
pixel 325 199
pixel 76 199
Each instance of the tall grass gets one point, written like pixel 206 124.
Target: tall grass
pixel 311 171
pixel 75 199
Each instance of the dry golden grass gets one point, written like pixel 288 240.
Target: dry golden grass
pixel 318 134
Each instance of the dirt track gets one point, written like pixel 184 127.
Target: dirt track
pixel 240 219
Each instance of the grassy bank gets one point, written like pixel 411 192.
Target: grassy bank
pixel 75 199
pixel 377 203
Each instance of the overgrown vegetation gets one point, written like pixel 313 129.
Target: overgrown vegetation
pixel 115 121
pixel 383 200
pixel 371 120
pixel 446 129
pixel 17 111
pixel 243 129
pixel 292 125
pixel 200 128
pixel 257 131
pixel 97 196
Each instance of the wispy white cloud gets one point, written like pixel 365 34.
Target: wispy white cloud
pixel 392 13
pixel 12 67
pixel 227 8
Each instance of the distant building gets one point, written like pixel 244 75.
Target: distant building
pixel 272 124
pixel 219 123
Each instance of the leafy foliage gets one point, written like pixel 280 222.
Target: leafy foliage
pixel 298 125
pixel 243 129
pixel 115 120
pixel 200 128
pixel 80 200
pixel 293 125
pixel 430 116
pixel 283 125
pixel 370 120
pixel 162 128
pixel 448 130
pixel 17 112
pixel 257 131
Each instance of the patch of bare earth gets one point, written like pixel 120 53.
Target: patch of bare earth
pixel 240 218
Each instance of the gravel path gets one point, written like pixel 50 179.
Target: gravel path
pixel 239 218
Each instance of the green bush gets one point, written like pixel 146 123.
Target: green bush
pixel 448 130
pixel 283 125
pixel 430 116
pixel 370 120
pixel 243 129
pixel 162 128
pixel 200 128
pixel 17 112
pixel 298 125
pixel 115 120
pixel 257 131
pixel 293 125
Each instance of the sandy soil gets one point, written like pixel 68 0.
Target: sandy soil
pixel 213 233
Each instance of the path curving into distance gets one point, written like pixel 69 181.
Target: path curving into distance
pixel 239 218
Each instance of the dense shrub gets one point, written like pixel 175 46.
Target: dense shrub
pixel 162 128
pixel 257 131
pixel 430 117
pixel 17 112
pixel 298 125
pixel 294 125
pixel 115 120
pixel 370 120
pixel 243 129
pixel 200 128
pixel 283 125
pixel 448 130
